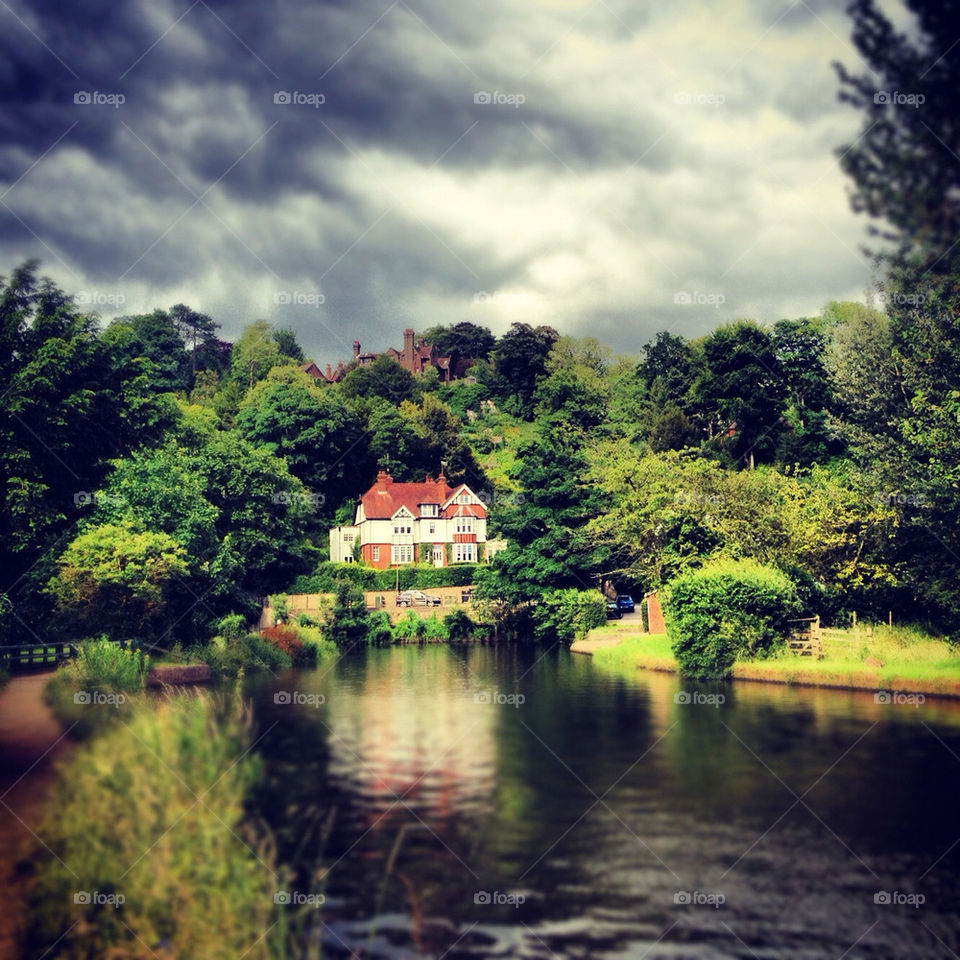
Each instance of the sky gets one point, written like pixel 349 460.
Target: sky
pixel 351 168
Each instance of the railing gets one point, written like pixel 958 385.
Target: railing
pixel 23 656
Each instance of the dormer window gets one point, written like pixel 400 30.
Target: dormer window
pixel 428 510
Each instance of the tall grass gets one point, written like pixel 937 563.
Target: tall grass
pixel 101 665
pixel 152 812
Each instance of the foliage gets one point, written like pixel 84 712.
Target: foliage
pixel 459 625
pixel 196 880
pixel 116 576
pixel 412 577
pixel 567 615
pixel 725 610
pixel 105 666
pixel 349 620
pixel 413 628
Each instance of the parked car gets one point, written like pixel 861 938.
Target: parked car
pixel 613 610
pixel 625 603
pixel 417 598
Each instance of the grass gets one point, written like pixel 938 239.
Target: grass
pixel 910 659
pixel 153 812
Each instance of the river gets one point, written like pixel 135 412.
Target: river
pixel 499 801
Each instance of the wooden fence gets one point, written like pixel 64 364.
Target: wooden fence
pixel 806 641
pixel 25 656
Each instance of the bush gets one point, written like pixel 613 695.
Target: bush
pixel 417 576
pixel 192 884
pixel 460 625
pixel 568 615
pixel 379 631
pixel 415 629
pixel 725 610
pixel 249 652
pixel 102 665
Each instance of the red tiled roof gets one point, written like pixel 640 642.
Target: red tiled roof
pixel 385 497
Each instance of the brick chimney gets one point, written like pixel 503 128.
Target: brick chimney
pixel 383 478
pixel 408 348
pixel 356 349
pixel 329 372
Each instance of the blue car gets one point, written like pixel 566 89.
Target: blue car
pixel 625 603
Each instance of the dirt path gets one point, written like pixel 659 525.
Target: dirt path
pixel 30 740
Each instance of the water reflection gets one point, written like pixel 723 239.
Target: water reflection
pixel 570 817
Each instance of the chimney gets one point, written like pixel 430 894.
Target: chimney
pixel 408 348
pixel 329 372
pixel 356 349
pixel 383 478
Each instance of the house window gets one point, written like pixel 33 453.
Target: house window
pixel 433 528
pixel 428 509
pixel 348 538
pixel 401 529
pixel 464 524
pixel 463 498
pixel 375 554
pixel 403 553
pixel 464 553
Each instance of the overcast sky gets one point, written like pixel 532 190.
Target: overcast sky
pixel 390 163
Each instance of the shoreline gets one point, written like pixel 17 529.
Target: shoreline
pixel 785 674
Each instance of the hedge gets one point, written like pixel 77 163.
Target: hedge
pixel 419 576
pixel 725 610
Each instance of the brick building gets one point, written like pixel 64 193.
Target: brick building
pixel 428 522
pixel 416 356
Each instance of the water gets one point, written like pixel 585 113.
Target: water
pixel 502 802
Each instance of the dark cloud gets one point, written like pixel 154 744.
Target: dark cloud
pixel 586 194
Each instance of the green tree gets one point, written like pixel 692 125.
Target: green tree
pixel 520 358
pixel 254 354
pixel 118 577
pixel 383 378
pixel 286 340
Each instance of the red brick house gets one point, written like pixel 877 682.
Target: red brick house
pixel 428 522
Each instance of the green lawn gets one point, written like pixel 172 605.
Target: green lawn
pixel 909 658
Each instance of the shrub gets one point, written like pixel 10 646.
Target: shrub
pixel 232 627
pixel 102 665
pixel 379 631
pixel 285 639
pixel 459 625
pixel 417 576
pixel 196 880
pixel 568 615
pixel 250 652
pixel 725 610
pixel 349 621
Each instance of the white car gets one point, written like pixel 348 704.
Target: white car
pixel 411 598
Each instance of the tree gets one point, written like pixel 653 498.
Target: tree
pixel 383 378
pixel 463 343
pixel 313 429
pixel 286 340
pixel 904 163
pixel 740 391
pixel 152 340
pixel 118 577
pixel 520 357
pixel 197 329
pixel 254 354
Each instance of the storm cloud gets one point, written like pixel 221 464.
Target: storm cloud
pixel 350 169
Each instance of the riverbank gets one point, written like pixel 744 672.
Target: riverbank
pixel 852 662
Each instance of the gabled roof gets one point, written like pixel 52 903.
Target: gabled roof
pixel 385 498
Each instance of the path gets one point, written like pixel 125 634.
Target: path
pixel 30 740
